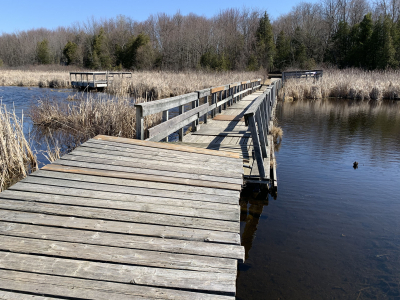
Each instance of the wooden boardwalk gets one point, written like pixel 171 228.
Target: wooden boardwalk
pixel 228 131
pixel 124 219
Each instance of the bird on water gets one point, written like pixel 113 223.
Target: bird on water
pixel 355 165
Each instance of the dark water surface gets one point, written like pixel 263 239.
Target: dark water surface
pixel 21 99
pixel 333 232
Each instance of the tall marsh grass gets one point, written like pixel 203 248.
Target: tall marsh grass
pixel 52 79
pixel 17 159
pixel 348 84
pixel 153 85
pixel 86 117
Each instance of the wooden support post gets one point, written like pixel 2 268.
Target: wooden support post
pixel 206 114
pixel 165 117
pixel 139 123
pixel 260 121
pixel 213 101
pixel 195 124
pixel 225 92
pixel 181 111
pixel 256 144
pixel 219 99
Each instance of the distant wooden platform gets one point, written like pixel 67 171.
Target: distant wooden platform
pixel 125 219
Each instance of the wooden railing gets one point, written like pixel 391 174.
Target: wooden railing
pixel 88 79
pixel 316 74
pixel 221 96
pixel 258 117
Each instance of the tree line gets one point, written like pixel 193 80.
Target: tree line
pixel 342 33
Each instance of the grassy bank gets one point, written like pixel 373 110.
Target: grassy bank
pixel 17 159
pixel 348 84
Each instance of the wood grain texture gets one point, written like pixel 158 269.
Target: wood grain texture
pixel 165 146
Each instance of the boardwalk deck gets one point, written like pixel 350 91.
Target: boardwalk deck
pixel 227 131
pixel 106 222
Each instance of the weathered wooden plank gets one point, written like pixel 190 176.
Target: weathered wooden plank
pixel 167 232
pixel 134 187
pixel 156 154
pixel 194 178
pixel 152 107
pixel 118 255
pixel 193 280
pixel 156 165
pixel 217 89
pixel 165 146
pixel 164 129
pixel 109 171
pixel 119 215
pixel 157 159
pixel 5 295
pixel 228 118
pixel 122 240
pixel 59 286
pixel 159 208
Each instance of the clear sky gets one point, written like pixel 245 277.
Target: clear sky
pixel 18 15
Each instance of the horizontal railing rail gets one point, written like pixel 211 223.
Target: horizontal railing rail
pixel 83 79
pixel 258 117
pixel 316 74
pixel 215 99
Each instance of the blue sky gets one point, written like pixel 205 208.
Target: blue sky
pixel 18 15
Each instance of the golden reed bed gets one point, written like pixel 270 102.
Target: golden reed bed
pixel 149 85
pixel 349 84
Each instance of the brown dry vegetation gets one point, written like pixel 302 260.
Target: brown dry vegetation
pixel 158 85
pixel 149 85
pixel 52 79
pixel 16 157
pixel 349 84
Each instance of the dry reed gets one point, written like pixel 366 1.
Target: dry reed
pixel 152 85
pixel 87 117
pixel 349 84
pixel 52 79
pixel 17 159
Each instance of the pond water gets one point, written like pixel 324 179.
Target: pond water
pixel 22 98
pixel 333 231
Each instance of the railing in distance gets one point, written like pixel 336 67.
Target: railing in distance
pixel 221 96
pixel 316 74
pixel 258 117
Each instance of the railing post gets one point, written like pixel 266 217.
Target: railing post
pixel 165 117
pixel 181 111
pixel 213 101
pixel 206 114
pixel 260 121
pixel 195 104
pixel 219 99
pixel 256 144
pixel 139 123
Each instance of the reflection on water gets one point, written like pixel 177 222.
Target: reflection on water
pixel 22 98
pixel 334 231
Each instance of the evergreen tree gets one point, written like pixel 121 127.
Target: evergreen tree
pixel 127 56
pixel 298 48
pixel 382 49
pixel 265 42
pixel 99 57
pixel 282 58
pixel 43 52
pixel 364 41
pixel 71 53
pixel 341 45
